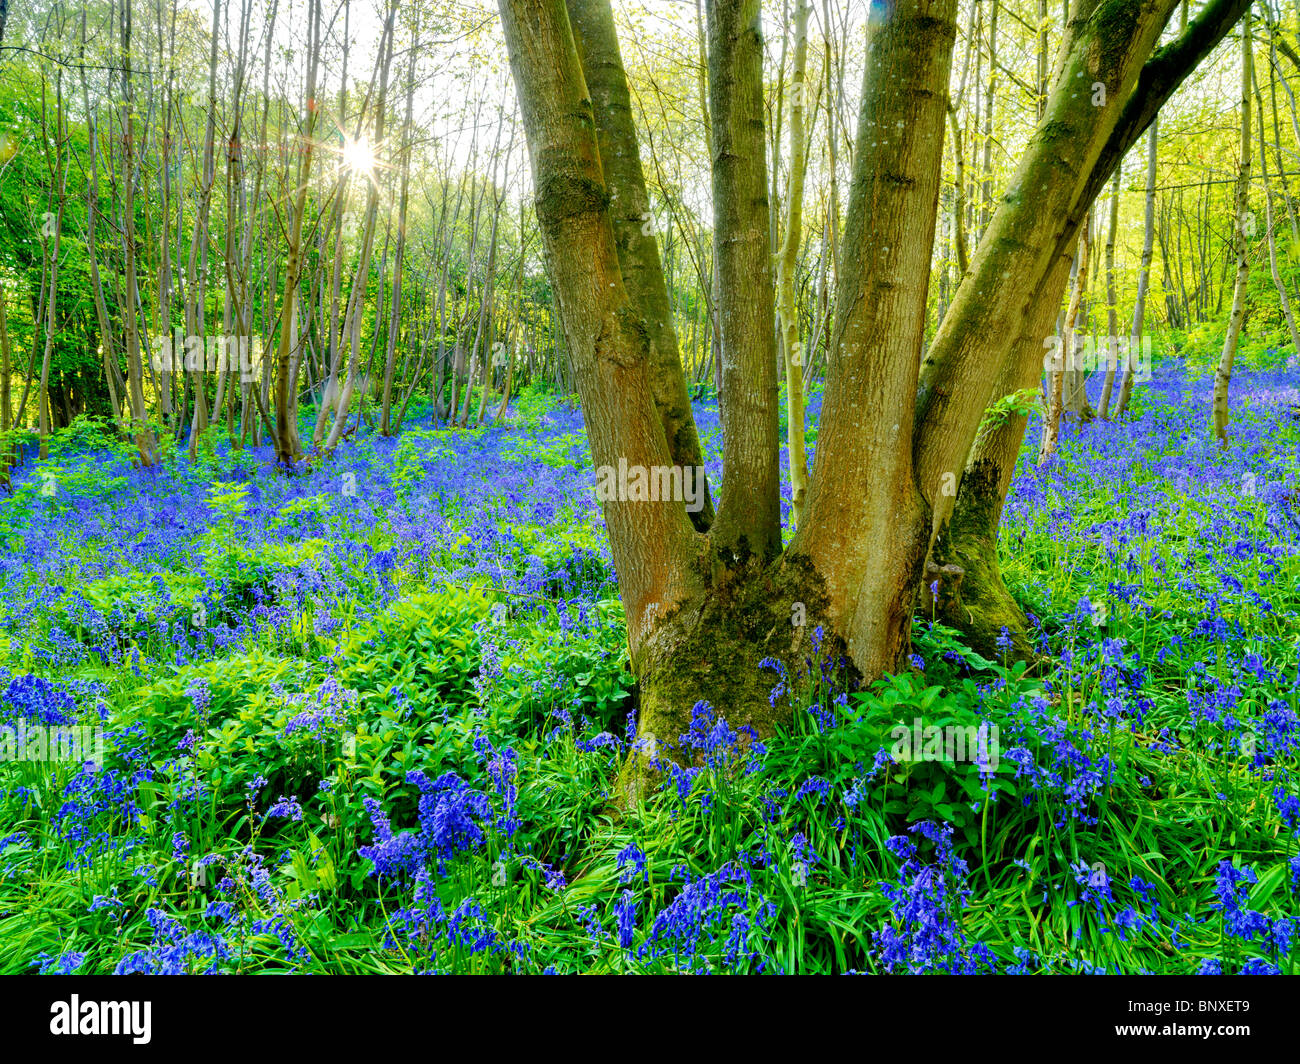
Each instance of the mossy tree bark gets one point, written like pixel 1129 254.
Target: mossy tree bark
pixel 979 605
pixel 196 266
pixel 58 176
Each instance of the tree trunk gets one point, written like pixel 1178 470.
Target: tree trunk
pixel 286 436
pixel 57 184
pixel 1112 320
pixel 1223 376
pixel 867 527
pixel 1144 274
pixel 1283 297
pixel 6 371
pixel 196 264
pixel 975 599
pixel 635 231
pixel 653 543
pixel 130 313
pixel 701 610
pixel 92 251
pixel 395 318
pixel 787 261
pixel 748 524
pixel 1063 366
pixel 968 545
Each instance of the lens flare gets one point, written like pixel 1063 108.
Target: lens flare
pixel 359 156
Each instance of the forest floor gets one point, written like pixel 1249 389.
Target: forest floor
pixel 366 718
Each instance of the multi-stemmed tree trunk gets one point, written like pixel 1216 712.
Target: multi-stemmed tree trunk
pixel 1241 203
pixel 703 609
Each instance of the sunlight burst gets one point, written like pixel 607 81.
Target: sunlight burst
pixel 359 156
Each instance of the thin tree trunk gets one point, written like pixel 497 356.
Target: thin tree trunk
pixel 1283 297
pixel 867 525
pixel 787 262
pixel 652 542
pixel 1065 363
pixel 1144 273
pixel 1112 319
pixel 390 360
pixel 196 264
pixel 1223 376
pixel 286 439
pixel 885 447
pixel 130 313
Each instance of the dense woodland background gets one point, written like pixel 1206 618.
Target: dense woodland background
pixel 151 157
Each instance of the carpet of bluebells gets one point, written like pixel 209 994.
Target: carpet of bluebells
pixel 368 717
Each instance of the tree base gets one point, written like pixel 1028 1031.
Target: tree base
pixel 710 648
pixel 981 608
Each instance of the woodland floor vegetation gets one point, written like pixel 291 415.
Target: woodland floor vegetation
pixel 379 730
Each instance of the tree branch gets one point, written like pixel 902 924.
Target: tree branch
pixel 1161 76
